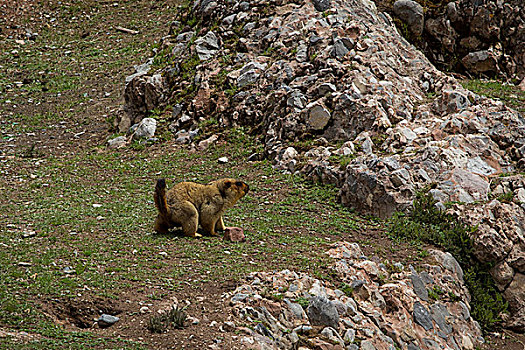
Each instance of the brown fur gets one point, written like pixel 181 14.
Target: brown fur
pixel 190 204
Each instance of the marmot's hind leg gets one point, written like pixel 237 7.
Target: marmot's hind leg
pixel 208 225
pixel 190 219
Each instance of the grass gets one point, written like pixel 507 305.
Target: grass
pixel 510 94
pixel 93 212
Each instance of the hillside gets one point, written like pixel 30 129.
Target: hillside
pixel 77 216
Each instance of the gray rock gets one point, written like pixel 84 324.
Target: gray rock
pixel 68 270
pixel 303 329
pixel 247 78
pixel 296 99
pixel 422 316
pixel 106 320
pixel 204 53
pixel 412 13
pixel 318 116
pixel 440 315
pixel 367 345
pixel 332 335
pixel 145 129
pixel 140 69
pixel 228 20
pixel 296 309
pixel 210 40
pixel 419 286
pixel 400 177
pixel 349 336
pixel 322 312
pixel 481 62
pixel 321 5
pixel 326 88
pixel 207 46
pixel 117 142
pixel 302 53
pixel 412 346
pixel 340 49
pixel 239 297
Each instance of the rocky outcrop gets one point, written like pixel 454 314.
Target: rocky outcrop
pixel 482 37
pixel 375 307
pixel 378 119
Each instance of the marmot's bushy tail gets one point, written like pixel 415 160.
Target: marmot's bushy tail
pixel 160 197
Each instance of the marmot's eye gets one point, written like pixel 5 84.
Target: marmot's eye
pixel 238 184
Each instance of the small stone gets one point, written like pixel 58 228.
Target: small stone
pixel 349 336
pixel 367 345
pixel 68 270
pixel 204 144
pixel 193 320
pixel 422 316
pixel 480 62
pixel 234 234
pixel 247 78
pixel 322 312
pixel 106 320
pixel 332 335
pixel 144 309
pixel 412 13
pixel 419 286
pixel 239 297
pixel 318 117
pixel 145 129
pixel 229 326
pixel 29 234
pixel 117 142
pixel 303 329
pixel 321 5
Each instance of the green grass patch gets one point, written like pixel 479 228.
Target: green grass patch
pixel 510 94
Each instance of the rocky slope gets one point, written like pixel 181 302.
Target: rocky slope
pixel 379 307
pixel 336 94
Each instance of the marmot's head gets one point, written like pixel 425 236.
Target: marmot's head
pixel 232 190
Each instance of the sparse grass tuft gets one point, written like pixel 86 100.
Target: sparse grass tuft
pixel 510 94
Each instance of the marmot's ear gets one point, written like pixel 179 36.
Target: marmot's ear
pixel 223 186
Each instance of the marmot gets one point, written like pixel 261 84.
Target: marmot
pixel 189 204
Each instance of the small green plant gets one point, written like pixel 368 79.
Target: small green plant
pixel 506 197
pixel 303 302
pixel 157 324
pixel 342 160
pixel 175 317
pixel 347 289
pixel 453 297
pixel 435 293
pixel 423 253
pixel 508 93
